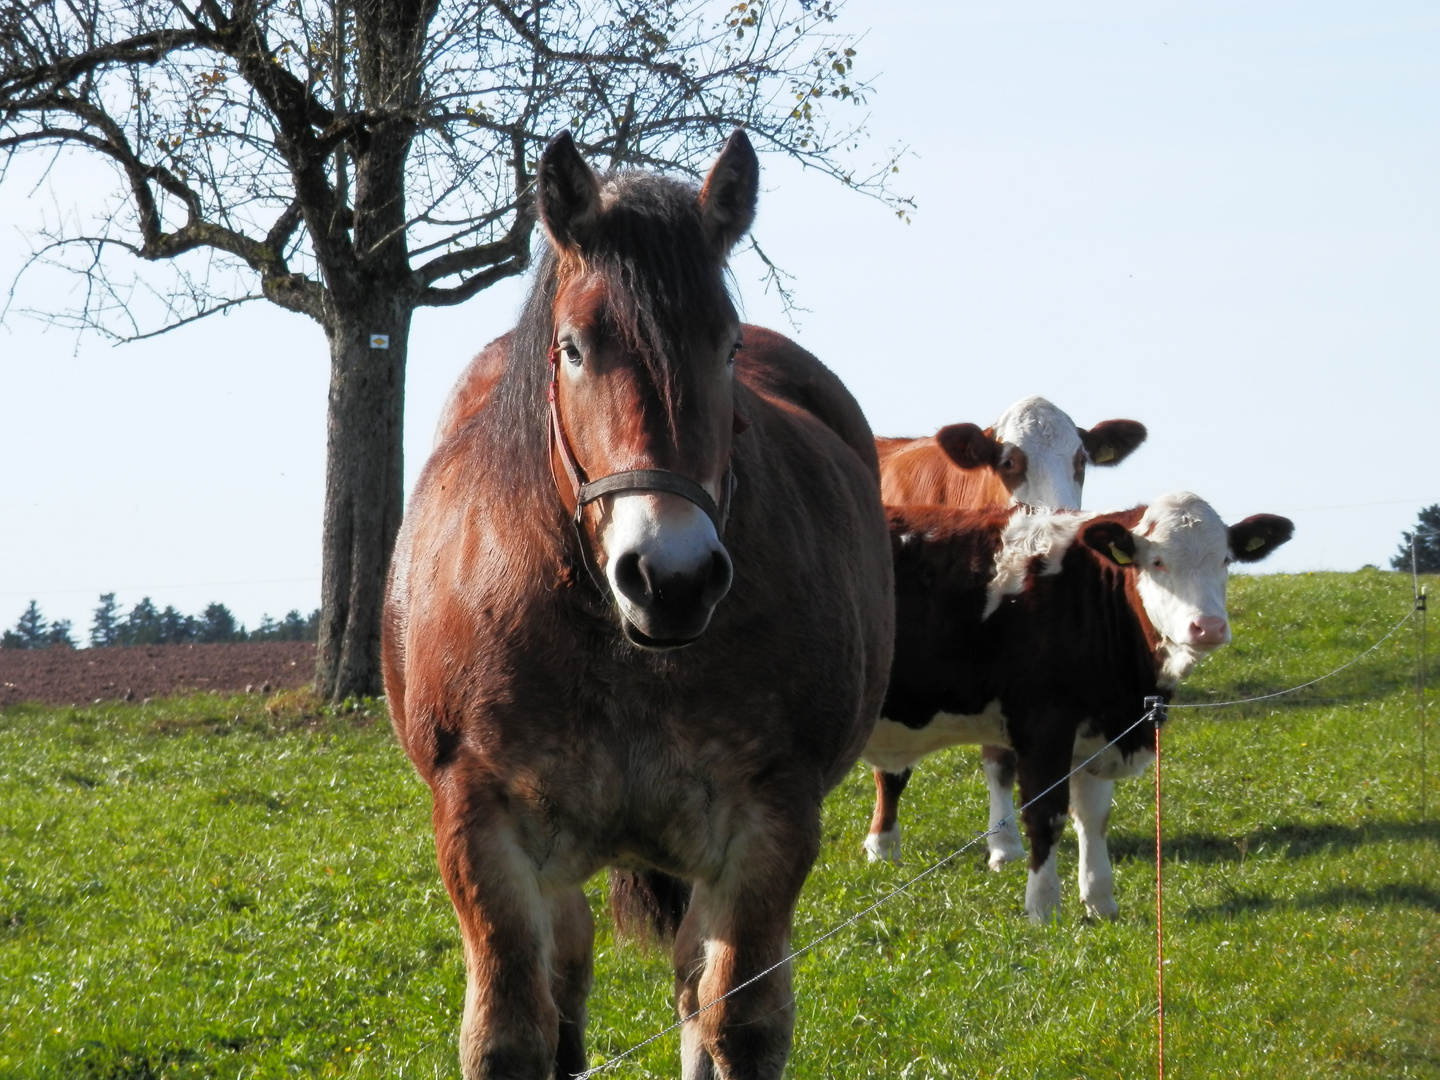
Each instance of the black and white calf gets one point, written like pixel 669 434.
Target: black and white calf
pixel 1044 632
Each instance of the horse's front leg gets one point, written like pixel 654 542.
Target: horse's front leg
pixel 511 1026
pixel 736 928
pixel 572 976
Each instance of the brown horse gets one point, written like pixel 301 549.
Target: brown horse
pixel 640 615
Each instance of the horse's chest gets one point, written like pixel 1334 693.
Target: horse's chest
pixel 675 806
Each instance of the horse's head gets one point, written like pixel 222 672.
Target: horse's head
pixel 642 355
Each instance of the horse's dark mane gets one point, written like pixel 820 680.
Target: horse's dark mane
pixel 666 293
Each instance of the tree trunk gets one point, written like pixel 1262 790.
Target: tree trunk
pixel 364 491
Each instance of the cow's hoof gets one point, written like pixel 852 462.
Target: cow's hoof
pixel 1042 896
pixel 1042 914
pixel 1105 908
pixel 883 847
pixel 1005 851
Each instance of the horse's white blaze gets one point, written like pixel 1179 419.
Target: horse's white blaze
pixel 894 747
pixel 1090 804
pixel 1050 441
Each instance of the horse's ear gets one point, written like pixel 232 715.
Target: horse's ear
pixel 568 192
pixel 727 201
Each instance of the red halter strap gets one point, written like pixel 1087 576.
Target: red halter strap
pixel 586 491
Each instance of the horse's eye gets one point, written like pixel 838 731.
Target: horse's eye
pixel 1158 563
pixel 571 353
pixel 733 350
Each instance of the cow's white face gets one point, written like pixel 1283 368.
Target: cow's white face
pixel 1181 552
pixel 1038 453
pixel 1041 444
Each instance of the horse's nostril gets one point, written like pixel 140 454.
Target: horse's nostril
pixel 632 580
pixel 722 572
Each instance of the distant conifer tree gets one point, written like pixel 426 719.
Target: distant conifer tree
pixel 58 635
pixel 29 632
pixel 176 628
pixel 105 626
pixel 1426 539
pixel 292 627
pixel 217 625
pixel 266 631
pixel 142 625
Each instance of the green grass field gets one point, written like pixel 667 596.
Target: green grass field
pixel 211 888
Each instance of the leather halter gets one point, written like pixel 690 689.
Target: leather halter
pixel 586 491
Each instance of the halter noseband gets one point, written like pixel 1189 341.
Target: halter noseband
pixel 587 491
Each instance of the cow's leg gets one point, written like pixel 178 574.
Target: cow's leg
pixel 1090 799
pixel 1003 838
pixel 511 1026
pixel 736 928
pixel 883 840
pixel 1043 766
pixel 572 974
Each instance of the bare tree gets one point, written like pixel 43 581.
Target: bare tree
pixel 352 160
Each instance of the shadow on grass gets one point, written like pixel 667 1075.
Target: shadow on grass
pixel 1362 692
pixel 102 1061
pixel 1295 841
pixel 1395 895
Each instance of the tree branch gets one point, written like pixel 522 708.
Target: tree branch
pixel 473 286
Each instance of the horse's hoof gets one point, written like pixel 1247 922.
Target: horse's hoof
pixel 883 847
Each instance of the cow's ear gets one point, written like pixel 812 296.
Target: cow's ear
pixel 1112 441
pixel 1110 539
pixel 727 201
pixel 568 192
pixel 969 447
pixel 1255 537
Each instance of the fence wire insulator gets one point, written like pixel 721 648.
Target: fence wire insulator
pixel 1156 711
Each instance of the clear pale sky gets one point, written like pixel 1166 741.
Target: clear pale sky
pixel 1219 218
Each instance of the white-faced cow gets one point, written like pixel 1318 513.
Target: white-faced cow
pixel 1044 632
pixel 1032 455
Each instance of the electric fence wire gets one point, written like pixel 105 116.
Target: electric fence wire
pixel 1154 706
pixel 866 911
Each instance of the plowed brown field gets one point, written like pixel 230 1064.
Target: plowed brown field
pixel 82 676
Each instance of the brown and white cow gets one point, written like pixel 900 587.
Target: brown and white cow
pixel 1035 455
pixel 1044 632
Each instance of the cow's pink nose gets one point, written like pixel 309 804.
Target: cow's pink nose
pixel 1209 630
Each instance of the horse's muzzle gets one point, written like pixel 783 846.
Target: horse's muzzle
pixel 665 610
pixel 665 566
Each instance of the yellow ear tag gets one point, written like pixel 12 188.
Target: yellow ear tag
pixel 1119 556
pixel 1254 543
pixel 1106 453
